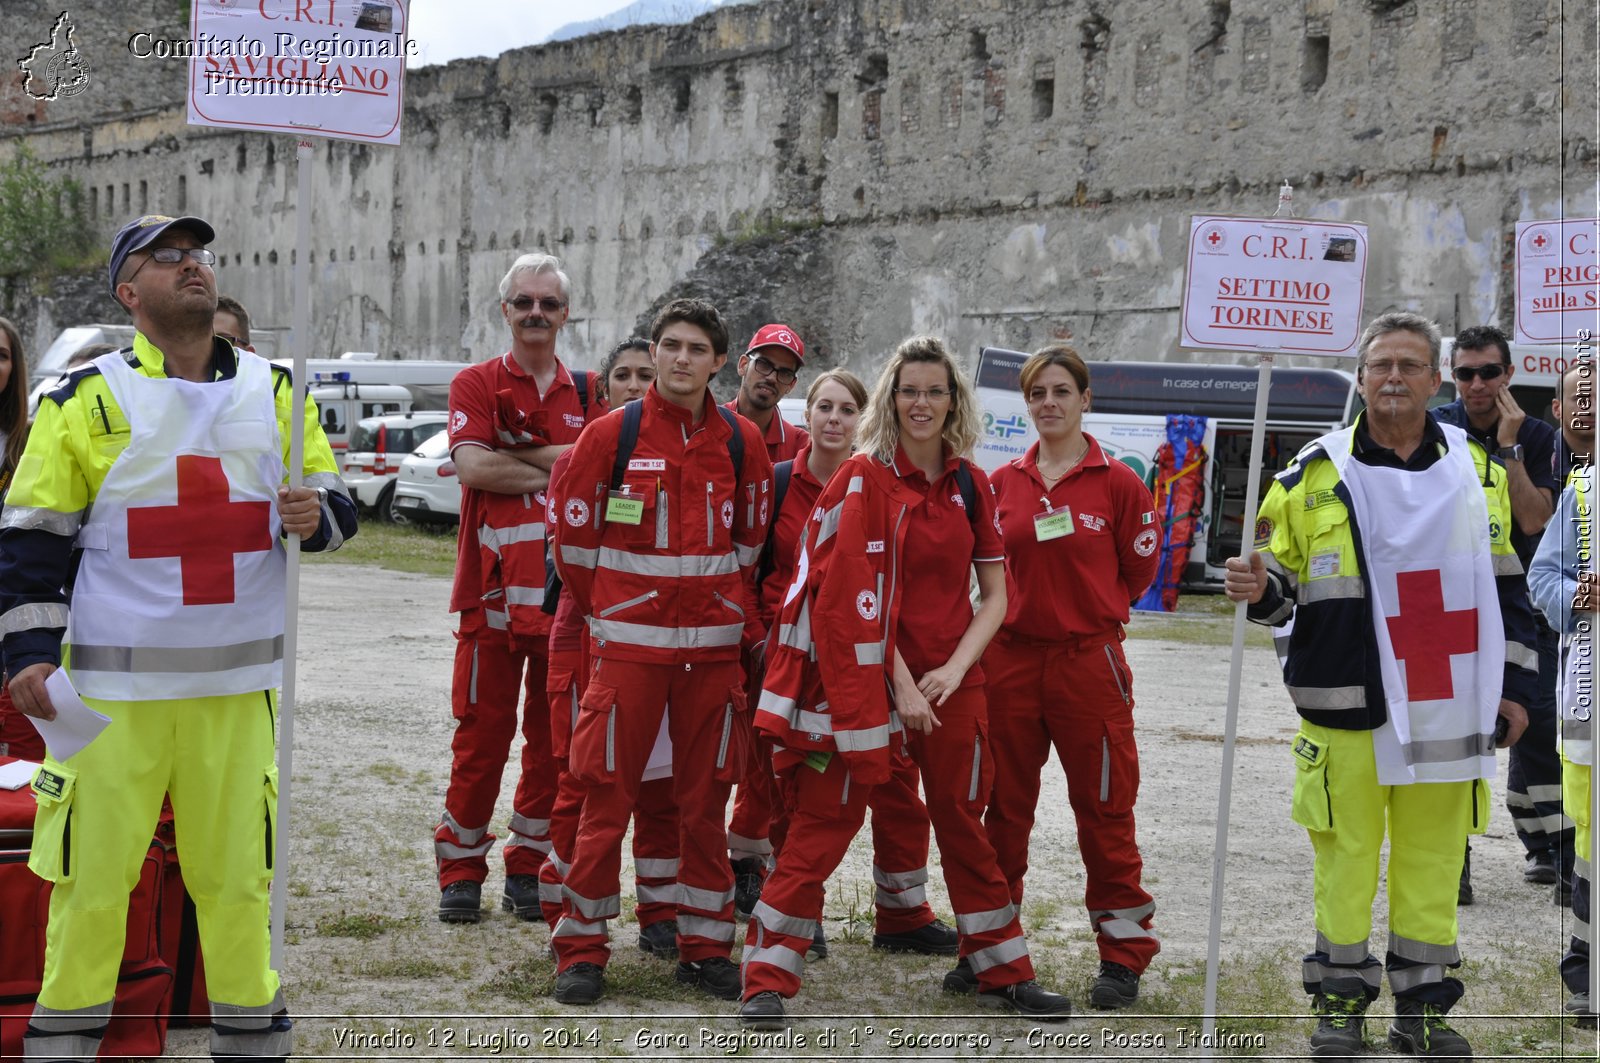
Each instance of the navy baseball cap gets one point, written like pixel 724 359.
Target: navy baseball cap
pixel 140 233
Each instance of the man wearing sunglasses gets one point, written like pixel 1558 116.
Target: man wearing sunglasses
pixel 767 372
pixel 1486 409
pixel 510 418
pixel 163 466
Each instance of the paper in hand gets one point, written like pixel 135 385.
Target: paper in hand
pixel 75 725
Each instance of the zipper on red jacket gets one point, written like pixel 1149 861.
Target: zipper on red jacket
pixel 711 516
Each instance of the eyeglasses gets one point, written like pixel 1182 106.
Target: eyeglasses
pixel 931 394
pixel 233 341
pixel 169 256
pixel 1406 368
pixel 784 374
pixel 1492 371
pixel 524 302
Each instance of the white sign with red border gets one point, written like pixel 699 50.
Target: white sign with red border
pixel 329 68
pixel 1279 284
pixel 1558 280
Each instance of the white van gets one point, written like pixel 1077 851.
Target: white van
pixel 340 407
pixel 1128 416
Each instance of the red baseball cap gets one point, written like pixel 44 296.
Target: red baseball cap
pixel 778 336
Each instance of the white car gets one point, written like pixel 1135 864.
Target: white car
pixel 377 447
pixel 427 490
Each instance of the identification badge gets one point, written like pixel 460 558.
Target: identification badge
pixel 624 509
pixel 1325 565
pixel 1052 525
pixel 818 760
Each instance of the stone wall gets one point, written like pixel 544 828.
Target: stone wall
pixel 998 171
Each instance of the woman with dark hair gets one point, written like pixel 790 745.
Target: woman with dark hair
pixel 17 737
pixel 874 654
pixel 1081 541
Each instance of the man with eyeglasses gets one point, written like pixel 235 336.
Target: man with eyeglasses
pixel 1411 657
pixel 164 465
pixel 232 323
pixel 510 418
pixel 767 372
pixel 1487 411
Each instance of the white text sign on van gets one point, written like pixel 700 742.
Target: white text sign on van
pixel 1274 284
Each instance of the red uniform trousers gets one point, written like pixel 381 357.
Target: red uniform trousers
pixel 492 669
pixel 828 812
pixel 1078 695
pixel 620 716
pixel 757 801
pixel 655 819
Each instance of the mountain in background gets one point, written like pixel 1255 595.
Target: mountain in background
pixel 642 13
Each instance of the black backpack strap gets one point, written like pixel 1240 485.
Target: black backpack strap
pixel 780 488
pixel 580 380
pixel 735 442
pixel 627 439
pixel 969 490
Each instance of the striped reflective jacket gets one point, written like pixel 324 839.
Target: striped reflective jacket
pixel 1312 548
pixel 836 628
pixel 666 576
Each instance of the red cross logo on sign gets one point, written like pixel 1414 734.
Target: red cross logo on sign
pixel 1426 636
pixel 1214 238
pixel 204 530
pixel 1539 240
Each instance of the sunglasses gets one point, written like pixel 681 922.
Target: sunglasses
pixel 1492 371
pixel 523 303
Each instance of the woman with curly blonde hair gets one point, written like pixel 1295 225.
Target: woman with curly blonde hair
pixel 874 658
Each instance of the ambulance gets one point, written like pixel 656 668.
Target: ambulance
pixel 1130 402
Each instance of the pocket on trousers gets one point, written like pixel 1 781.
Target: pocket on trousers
pixel 980 773
pixel 735 739
pixel 1119 766
pixel 270 814
pixel 54 854
pixel 1312 805
pixel 594 739
pixel 1481 802
pixel 561 689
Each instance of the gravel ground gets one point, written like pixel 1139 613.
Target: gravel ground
pixel 370 972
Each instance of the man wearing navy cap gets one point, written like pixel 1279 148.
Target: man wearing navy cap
pixel 166 464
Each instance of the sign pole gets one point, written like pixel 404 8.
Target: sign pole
pixel 1219 854
pixel 297 446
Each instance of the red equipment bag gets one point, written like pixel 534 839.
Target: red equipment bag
pixel 138 1026
pixel 180 935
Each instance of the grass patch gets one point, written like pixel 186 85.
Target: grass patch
pixel 403 548
pixel 364 926
pixel 413 967
pixel 389 772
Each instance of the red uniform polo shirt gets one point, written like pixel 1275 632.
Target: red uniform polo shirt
pixel 1079 584
pixel 482 397
pixel 940 546
pixel 783 439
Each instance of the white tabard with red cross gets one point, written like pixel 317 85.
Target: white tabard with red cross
pixel 1430 582
pixel 180 592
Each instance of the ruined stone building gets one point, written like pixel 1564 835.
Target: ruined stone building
pixel 994 171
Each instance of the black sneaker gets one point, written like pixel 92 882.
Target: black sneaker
pixel 961 980
pixel 717 976
pixel 935 939
pixel 764 1011
pixel 660 939
pixel 461 902
pixel 582 983
pixel 1464 891
pixel 1540 868
pixel 747 883
pixel 1341 1024
pixel 1420 1029
pixel 819 945
pixel 1029 999
pixel 521 898
pixel 1116 987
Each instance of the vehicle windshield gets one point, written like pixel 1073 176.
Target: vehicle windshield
pixel 437 447
pixel 365 436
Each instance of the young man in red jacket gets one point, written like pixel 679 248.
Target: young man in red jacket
pixel 510 418
pixel 657 542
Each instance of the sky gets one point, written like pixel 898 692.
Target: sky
pixel 458 29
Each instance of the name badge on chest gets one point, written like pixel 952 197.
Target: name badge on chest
pixel 623 508
pixel 1052 525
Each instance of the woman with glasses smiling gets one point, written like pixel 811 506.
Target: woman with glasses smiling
pixel 1081 538
pixel 874 656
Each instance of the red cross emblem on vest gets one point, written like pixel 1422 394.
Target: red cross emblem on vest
pixel 204 530
pixel 1425 636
